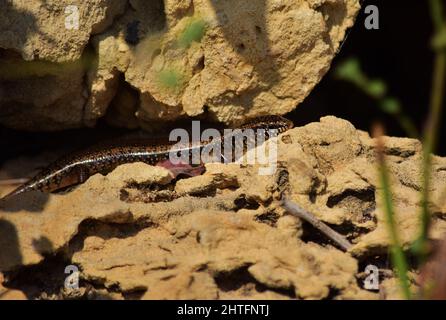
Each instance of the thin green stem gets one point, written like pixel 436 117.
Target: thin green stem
pixel 350 70
pixel 430 143
pixel 397 254
pixel 432 128
pixel 436 8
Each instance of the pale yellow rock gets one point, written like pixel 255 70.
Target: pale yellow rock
pixel 144 174
pixel 221 60
pixel 46 90
pixel 167 263
pixel 50 31
pixel 10 294
pixel 215 178
pixel 223 234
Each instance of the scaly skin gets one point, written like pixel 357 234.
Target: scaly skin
pixel 76 169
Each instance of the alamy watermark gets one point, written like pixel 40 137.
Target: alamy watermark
pixel 247 146
pixel 371 22
pixel 72 280
pixel 371 282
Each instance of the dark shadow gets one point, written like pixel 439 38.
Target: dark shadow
pixel 11 261
pixel 132 33
pixel 43 246
pixel 389 54
pixel 32 201
pixel 10 254
pixel 155 13
pixel 44 280
pixel 18 76
pixel 236 280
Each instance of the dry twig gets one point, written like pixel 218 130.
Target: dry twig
pixel 298 211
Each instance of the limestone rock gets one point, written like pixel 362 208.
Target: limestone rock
pixel 45 89
pixel 46 31
pixel 252 55
pixel 220 60
pixel 139 233
pixel 51 98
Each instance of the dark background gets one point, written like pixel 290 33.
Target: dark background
pixel 399 52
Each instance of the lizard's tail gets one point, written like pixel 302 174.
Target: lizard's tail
pixel 19 190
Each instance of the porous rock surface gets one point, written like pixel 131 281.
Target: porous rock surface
pixel 137 233
pixel 221 60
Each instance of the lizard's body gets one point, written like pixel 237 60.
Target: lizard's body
pixel 75 169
